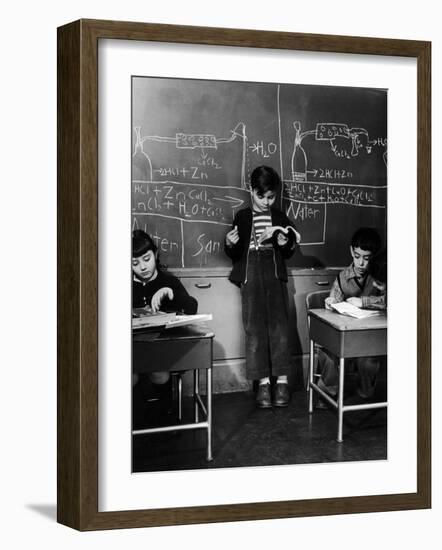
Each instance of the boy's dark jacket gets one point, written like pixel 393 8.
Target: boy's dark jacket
pixel 239 251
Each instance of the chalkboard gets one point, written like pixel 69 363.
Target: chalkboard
pixel 196 142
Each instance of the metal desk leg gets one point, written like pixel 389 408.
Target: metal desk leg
pixel 196 385
pixel 340 399
pixel 180 397
pixel 310 376
pixel 209 412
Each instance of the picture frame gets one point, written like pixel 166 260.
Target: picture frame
pixel 78 277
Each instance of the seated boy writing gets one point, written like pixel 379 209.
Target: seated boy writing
pixel 356 285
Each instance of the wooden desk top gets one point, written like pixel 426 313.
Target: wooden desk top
pixel 345 323
pixel 185 332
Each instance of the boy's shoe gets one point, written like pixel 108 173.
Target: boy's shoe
pixel 281 395
pixel 331 390
pixel 320 404
pixel 365 396
pixel 162 393
pixel 263 397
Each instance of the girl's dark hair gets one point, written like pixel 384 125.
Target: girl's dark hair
pixel 264 178
pixel 141 243
pixel 366 238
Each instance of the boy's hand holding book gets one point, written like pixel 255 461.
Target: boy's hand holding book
pixel 232 237
pixel 282 237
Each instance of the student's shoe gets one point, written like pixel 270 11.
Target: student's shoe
pixel 320 404
pixel 331 390
pixel 365 396
pixel 163 394
pixel 281 395
pixel 263 397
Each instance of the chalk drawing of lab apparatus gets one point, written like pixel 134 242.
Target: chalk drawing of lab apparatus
pixel 142 165
pixel 333 133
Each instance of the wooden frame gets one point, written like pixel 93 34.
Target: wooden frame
pixel 78 285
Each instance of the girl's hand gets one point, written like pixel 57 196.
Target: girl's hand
pixel 355 301
pixel 159 296
pixel 282 239
pixel 232 237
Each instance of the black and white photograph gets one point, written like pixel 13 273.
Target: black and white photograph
pixel 200 203
pixel 258 274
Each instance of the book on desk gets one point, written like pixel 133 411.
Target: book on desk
pixel 145 318
pixel 345 308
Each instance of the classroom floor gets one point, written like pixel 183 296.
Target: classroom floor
pixel 246 436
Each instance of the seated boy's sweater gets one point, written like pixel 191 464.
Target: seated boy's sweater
pixel 347 285
pixel 182 302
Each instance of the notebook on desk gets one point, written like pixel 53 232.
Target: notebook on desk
pixel 144 318
pixel 345 308
pixel 181 320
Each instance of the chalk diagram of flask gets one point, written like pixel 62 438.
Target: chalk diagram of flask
pixel 141 163
pixel 203 142
pixel 308 196
pixel 331 132
pixel 175 207
pixel 299 157
pixel 164 185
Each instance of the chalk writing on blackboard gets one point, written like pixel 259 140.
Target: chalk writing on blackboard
pixel 187 185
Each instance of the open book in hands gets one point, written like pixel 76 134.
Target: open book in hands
pixel 345 308
pixel 269 231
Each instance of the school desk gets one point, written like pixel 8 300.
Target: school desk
pixel 179 349
pixel 345 337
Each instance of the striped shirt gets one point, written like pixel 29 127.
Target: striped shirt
pixel 260 222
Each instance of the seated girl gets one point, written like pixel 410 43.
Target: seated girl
pixel 155 288
pixel 151 285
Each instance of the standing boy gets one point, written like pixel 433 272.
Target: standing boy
pixel 356 285
pixel 261 240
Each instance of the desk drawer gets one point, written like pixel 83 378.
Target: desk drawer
pixel 349 343
pixel 171 355
pixel 218 296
